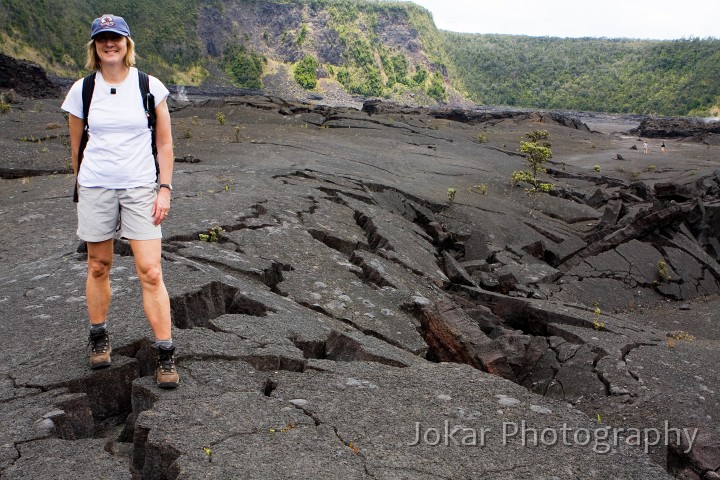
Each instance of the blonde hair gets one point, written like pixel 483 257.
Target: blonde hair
pixel 92 61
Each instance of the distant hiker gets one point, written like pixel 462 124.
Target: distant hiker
pixel 645 148
pixel 662 146
pixel 114 130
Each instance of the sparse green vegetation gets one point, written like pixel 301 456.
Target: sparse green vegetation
pixel 481 188
pixel 663 272
pixel 451 195
pixel 596 168
pixel 545 187
pixel 597 324
pixel 482 137
pixel 213 234
pixel 302 35
pixel 678 335
pixel 4 107
pixel 220 116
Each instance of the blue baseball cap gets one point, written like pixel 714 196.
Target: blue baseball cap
pixel 109 23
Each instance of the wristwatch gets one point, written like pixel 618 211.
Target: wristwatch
pixel 166 185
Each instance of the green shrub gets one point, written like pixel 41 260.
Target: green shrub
pixel 535 155
pixel 519 176
pixel 213 234
pixel 302 36
pixel 396 69
pixel 362 81
pixel 420 76
pixel 343 76
pixel 305 72
pixel 545 187
pixel 541 137
pixel 437 88
pixel 663 271
pixel 244 68
pixel 481 188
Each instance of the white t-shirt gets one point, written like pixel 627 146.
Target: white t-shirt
pixel 119 153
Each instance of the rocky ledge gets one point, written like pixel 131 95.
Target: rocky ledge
pixel 690 128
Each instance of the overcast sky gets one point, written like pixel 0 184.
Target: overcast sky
pixel 654 19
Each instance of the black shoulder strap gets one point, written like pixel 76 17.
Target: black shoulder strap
pixel 87 94
pixel 88 88
pixel 149 106
pixel 144 81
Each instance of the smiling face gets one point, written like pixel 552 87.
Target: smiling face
pixel 111 48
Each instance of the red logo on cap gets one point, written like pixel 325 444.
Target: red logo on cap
pixel 107 21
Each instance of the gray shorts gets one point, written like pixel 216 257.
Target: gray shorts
pixel 101 211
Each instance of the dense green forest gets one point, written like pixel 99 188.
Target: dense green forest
pixel 678 77
pixel 388 49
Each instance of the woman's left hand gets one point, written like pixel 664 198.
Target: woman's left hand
pixel 161 208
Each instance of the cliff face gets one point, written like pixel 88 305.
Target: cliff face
pixel 366 48
pixel 288 31
pixel 25 78
pixel 371 48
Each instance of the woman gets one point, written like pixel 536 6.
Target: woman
pixel 118 185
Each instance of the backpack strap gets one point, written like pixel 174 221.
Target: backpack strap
pixel 88 88
pixel 149 106
pixel 87 93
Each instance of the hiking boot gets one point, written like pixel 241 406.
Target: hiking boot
pixel 99 349
pixel 166 373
